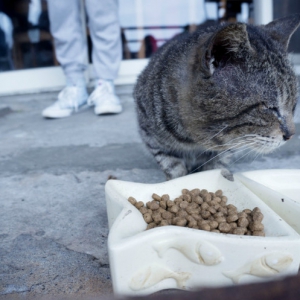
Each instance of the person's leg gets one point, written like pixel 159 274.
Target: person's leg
pixel 103 18
pixel 105 33
pixel 67 31
pixel 71 52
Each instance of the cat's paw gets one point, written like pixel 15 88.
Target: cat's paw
pixel 227 174
pixel 178 169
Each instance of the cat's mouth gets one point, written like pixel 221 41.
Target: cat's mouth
pixel 253 143
pixel 266 145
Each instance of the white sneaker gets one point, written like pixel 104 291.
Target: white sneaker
pixel 70 99
pixel 105 99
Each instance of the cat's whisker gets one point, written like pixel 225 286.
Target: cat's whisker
pixel 243 138
pixel 252 136
pixel 241 150
pixel 216 134
pixel 260 152
pixel 215 147
pixel 242 142
pixel 211 148
pixel 245 148
pixel 236 147
pixel 210 160
pixel 226 144
pixel 223 152
pixel 251 150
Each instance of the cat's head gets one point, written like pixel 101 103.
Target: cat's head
pixel 250 84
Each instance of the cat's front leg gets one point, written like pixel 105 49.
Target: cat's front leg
pixel 222 164
pixel 172 166
pixel 226 173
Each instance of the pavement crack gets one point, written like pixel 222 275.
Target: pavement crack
pixel 55 277
pixel 78 180
pixel 5 111
pixel 38 284
pixel 92 257
pixel 11 289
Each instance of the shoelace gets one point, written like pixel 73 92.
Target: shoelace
pixel 98 94
pixel 69 96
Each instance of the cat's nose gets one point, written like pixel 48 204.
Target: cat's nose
pixel 288 129
pixel 287 136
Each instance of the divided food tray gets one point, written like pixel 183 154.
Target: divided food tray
pixel 143 262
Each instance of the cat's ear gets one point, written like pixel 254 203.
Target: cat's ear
pixel 226 42
pixel 282 29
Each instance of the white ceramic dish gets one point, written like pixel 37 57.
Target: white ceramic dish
pixel 143 262
pixel 285 182
pixel 279 189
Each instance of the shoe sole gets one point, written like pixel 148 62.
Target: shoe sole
pixel 107 110
pixel 56 116
pixel 64 114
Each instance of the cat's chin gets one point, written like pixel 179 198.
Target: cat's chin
pixel 268 146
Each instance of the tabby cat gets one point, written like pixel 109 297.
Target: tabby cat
pixel 217 92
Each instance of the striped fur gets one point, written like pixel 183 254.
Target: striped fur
pixel 226 90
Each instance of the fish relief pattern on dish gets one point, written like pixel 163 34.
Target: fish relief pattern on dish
pixel 200 252
pixel 268 265
pixel 155 273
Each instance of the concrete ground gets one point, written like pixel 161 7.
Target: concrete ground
pixel 53 224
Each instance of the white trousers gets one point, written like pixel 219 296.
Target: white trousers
pixel 70 43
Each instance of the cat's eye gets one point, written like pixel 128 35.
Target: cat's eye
pixel 275 111
pixel 294 108
pixel 268 107
pixel 272 109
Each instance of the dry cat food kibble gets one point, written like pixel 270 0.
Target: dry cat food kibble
pixel 200 209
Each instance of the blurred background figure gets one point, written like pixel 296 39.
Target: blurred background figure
pixel 34 13
pixel 32 45
pixel 6 42
pixel 71 48
pixel 148 47
pixel 145 26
